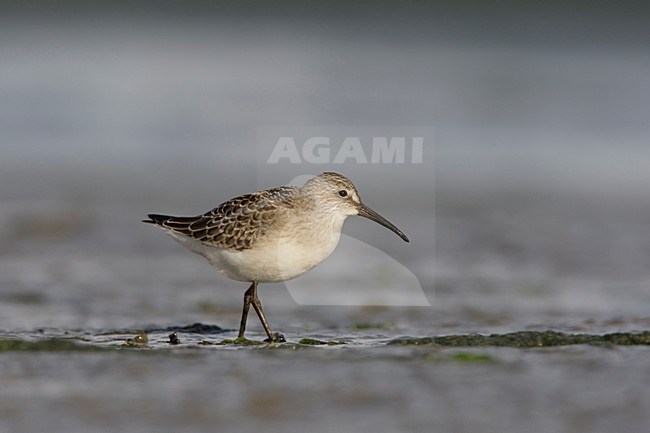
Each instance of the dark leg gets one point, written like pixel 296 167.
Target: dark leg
pixel 248 297
pixel 274 337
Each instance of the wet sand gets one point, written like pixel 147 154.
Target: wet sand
pixel 361 382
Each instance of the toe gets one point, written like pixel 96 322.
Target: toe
pixel 276 337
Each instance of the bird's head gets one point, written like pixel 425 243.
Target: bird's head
pixel 337 194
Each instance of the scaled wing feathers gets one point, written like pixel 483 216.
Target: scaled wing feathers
pixel 236 224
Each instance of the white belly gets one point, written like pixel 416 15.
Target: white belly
pixel 279 259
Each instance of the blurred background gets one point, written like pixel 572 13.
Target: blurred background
pixel 536 182
pixel 539 164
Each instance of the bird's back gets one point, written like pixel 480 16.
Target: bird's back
pixel 236 224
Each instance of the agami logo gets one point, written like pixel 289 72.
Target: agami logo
pixel 323 150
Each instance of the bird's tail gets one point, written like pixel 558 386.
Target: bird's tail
pixel 157 219
pixel 174 223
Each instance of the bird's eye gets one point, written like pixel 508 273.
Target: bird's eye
pixel 343 193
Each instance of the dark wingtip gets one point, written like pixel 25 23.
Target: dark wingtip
pixel 156 219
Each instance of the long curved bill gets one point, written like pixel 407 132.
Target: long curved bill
pixel 365 211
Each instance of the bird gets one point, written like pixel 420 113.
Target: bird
pixel 272 235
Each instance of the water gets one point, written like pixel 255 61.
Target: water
pixel 541 217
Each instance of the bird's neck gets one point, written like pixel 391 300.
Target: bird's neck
pixel 320 217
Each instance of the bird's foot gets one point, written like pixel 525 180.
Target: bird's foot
pixel 276 337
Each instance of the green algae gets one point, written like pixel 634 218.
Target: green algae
pixel 302 344
pixel 139 340
pixel 315 342
pixel 312 342
pixel 242 341
pixel 528 339
pixel 523 339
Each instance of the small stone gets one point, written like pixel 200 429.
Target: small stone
pixel 173 338
pixel 141 339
